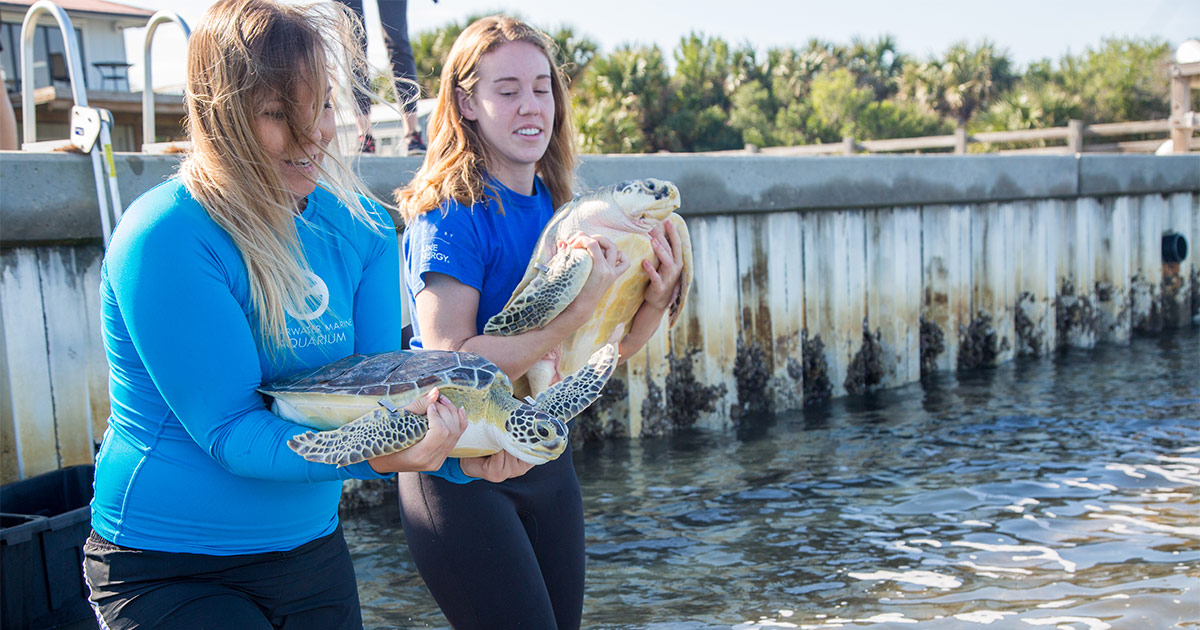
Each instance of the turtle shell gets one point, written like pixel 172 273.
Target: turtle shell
pixel 402 374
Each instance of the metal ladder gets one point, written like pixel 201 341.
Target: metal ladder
pixel 148 143
pixel 88 124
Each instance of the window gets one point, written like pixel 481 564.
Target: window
pixel 49 55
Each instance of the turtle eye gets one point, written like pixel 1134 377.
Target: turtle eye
pixel 543 432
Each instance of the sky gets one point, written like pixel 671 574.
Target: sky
pixel 1029 30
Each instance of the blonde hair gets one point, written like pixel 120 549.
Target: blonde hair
pixel 244 53
pixel 457 156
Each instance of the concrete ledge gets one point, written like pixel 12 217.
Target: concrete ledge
pixel 731 183
pixel 51 198
pixel 1101 175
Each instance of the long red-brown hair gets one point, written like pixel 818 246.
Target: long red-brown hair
pixel 457 157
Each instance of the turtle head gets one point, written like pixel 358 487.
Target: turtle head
pixel 535 436
pixel 647 199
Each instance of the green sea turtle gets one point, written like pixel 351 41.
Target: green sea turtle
pixel 357 405
pixel 626 214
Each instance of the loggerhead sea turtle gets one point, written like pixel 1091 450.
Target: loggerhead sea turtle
pixel 357 404
pixel 626 214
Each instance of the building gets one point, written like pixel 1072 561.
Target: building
pixel 100 28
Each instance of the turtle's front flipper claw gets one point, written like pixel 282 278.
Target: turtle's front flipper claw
pixel 378 432
pixel 546 296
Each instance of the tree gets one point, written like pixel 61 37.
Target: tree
pixel 698 118
pixel 1032 105
pixel 963 81
pixel 620 101
pixel 877 64
pixel 752 114
pixel 575 52
pixel 1124 79
pixel 430 49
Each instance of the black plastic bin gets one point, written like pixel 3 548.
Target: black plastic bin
pixel 43 524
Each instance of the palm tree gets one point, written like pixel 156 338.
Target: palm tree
pixel 877 64
pixel 963 81
pixel 575 52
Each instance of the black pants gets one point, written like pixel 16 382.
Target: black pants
pixel 311 586
pixel 500 555
pixel 393 15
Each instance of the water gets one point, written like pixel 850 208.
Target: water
pixel 1059 493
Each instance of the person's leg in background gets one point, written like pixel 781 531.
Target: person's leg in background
pixel 366 142
pixel 393 15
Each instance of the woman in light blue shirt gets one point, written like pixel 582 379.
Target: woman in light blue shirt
pixel 258 260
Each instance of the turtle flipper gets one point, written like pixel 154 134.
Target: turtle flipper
pixel 566 398
pixel 378 432
pixel 685 278
pixel 546 296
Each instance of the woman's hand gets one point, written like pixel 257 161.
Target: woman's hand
pixel 664 279
pixel 446 424
pixel 494 468
pixel 608 263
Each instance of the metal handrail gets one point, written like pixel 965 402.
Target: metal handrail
pixel 148 127
pixel 74 63
pixel 79 93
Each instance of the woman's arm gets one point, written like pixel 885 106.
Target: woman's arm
pixel 174 281
pixel 446 311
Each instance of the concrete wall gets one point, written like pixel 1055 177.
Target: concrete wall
pixel 815 277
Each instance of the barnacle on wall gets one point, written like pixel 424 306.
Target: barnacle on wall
pixel 817 386
pixel 683 401
pixel 598 421
pixel 866 368
pixel 979 344
pixel 1030 337
pixel 1075 317
pixel 1174 303
pixel 933 344
pixel 753 379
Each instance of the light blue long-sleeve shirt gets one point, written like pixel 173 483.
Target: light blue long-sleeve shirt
pixel 192 460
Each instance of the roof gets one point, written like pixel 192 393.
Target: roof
pixel 102 7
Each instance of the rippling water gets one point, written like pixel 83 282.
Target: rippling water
pixel 1058 493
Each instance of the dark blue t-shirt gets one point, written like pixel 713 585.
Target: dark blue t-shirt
pixel 479 247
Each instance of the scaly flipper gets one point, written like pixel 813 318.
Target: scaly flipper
pixel 378 432
pixel 685 278
pixel 547 295
pixel 568 397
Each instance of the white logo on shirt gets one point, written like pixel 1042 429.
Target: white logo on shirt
pixel 317 299
pixel 434 254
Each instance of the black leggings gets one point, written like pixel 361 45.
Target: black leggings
pixel 393 15
pixel 311 586
pixel 500 555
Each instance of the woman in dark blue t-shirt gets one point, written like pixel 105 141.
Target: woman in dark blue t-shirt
pixel 507 550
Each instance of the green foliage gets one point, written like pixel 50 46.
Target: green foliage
pixel 722 97
pixel 620 101
pixel 962 81
pixel 751 114
pixel 1124 79
pixel 1032 105
pixel 430 49
pixel 575 52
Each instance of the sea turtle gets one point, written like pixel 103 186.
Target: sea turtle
pixel 626 214
pixel 357 404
